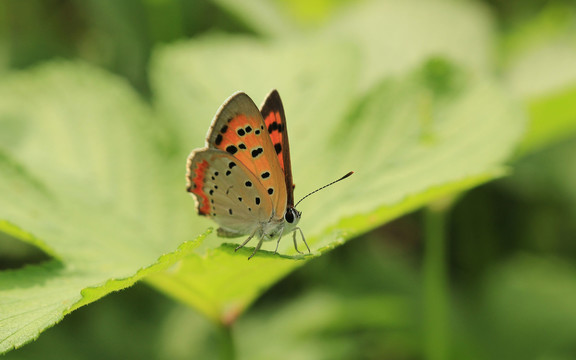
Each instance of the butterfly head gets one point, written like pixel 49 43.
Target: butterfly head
pixel 292 216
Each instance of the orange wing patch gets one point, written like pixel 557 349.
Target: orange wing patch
pixel 240 137
pixel 275 128
pixel 196 183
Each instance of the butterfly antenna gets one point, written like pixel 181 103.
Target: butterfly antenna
pixel 325 186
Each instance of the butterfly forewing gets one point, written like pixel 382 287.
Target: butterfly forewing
pixel 239 130
pixel 227 191
pixel 275 121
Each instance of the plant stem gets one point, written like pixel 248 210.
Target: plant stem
pixel 227 348
pixel 436 316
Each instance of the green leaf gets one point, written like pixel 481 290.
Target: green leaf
pixel 539 61
pixel 223 283
pixel 79 179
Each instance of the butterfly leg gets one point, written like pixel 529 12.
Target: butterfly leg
pixel 246 241
pixel 257 248
pixel 278 242
pixel 295 244
pixel 303 239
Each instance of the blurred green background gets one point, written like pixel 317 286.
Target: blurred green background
pixel 511 250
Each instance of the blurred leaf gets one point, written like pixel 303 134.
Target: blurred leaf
pixel 539 58
pixel 310 14
pixel 126 23
pixel 265 17
pixel 539 52
pixel 283 18
pixel 552 119
pixel 530 311
pixel 544 180
pixel 331 319
pixel 396 36
pixel 15 253
pixel 547 175
pixel 426 28
pixel 316 325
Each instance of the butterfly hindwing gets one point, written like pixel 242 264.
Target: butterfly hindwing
pixel 239 130
pixel 227 191
pixel 273 113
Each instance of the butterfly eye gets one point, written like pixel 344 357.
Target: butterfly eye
pixel 291 215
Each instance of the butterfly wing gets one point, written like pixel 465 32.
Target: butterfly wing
pixel 273 113
pixel 239 130
pixel 227 191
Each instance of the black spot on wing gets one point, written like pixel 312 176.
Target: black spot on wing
pixel 278 148
pixel 257 201
pixel 232 149
pixel 230 211
pixel 232 164
pixel 265 175
pixel 241 132
pixel 272 127
pixel 248 184
pixel 228 172
pixel 248 129
pixel 257 132
pixel 270 191
pixel 224 129
pixel 257 151
pixel 218 140
pixel 242 146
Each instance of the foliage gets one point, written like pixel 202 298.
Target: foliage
pixel 92 163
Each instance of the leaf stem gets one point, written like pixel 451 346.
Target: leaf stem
pixel 436 315
pixel 227 348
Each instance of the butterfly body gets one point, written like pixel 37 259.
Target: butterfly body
pixel 242 179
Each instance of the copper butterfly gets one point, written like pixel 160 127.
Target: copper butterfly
pixel 242 179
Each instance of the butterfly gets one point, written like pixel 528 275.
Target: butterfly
pixel 242 178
